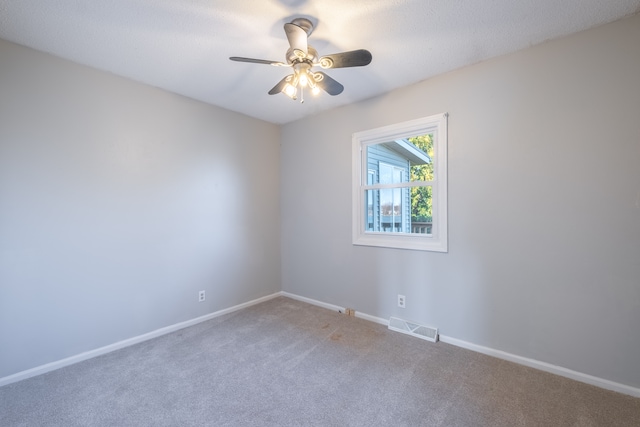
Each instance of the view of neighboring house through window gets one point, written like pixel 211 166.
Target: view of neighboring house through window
pixel 391 211
pixel 385 207
pixel 400 179
pixel 400 209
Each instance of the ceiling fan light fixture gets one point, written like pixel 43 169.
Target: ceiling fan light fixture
pixel 290 91
pixel 303 79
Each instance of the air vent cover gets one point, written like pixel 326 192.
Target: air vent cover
pixel 413 329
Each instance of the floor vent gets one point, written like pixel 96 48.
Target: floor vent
pixel 413 329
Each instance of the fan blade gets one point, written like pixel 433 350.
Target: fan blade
pixel 256 61
pixel 297 37
pixel 329 85
pixel 354 58
pixel 281 84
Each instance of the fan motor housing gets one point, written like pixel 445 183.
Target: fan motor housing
pixel 312 56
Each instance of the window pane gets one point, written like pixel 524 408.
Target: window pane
pixel 423 170
pixel 392 160
pixel 402 160
pixel 421 209
pixel 391 218
pixel 399 210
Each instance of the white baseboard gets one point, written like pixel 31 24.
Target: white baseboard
pixel 334 308
pixel 532 363
pixel 544 366
pixel 313 302
pixel 374 319
pixel 38 370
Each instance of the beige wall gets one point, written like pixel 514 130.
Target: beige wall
pixel 544 206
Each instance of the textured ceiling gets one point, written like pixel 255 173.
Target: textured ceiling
pixel 183 46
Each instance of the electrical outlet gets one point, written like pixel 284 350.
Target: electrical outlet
pixel 401 301
pixel 350 311
pixel 200 296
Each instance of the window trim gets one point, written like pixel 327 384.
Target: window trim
pixel 437 241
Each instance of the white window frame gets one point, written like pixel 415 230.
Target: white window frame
pixel 437 241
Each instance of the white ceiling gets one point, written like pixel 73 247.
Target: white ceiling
pixel 183 46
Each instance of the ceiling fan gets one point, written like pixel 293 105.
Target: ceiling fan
pixel 302 57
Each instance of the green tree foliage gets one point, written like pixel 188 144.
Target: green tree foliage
pixel 421 197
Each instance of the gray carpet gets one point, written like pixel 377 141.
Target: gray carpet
pixel 287 363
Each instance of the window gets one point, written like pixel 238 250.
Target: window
pixel 400 185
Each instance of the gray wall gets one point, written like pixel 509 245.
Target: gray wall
pixel 544 206
pixel 118 203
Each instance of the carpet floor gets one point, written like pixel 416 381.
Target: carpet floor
pixel 287 363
